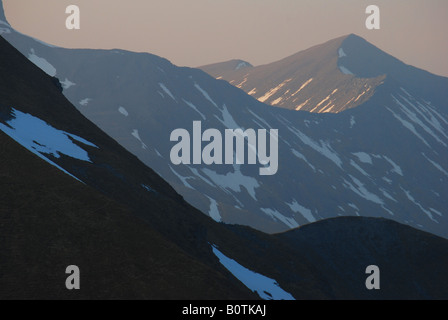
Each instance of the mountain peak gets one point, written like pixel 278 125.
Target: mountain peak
pixel 221 69
pixel 354 37
pixel 334 76
pixel 2 13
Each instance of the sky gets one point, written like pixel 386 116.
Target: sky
pixel 198 32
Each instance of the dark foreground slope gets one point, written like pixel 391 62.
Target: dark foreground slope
pixel 411 262
pixel 49 221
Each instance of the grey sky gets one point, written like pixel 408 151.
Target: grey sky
pixel 197 32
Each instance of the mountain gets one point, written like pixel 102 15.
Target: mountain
pixel 72 195
pixel 332 77
pixel 385 158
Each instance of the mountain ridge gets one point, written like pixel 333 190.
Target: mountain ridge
pixel 2 13
pixel 293 82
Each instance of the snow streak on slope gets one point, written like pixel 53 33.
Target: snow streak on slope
pixel 305 212
pixel 344 70
pixel 266 288
pixel 363 157
pixel 302 87
pixel 323 148
pixel 214 211
pixel 233 181
pixel 137 136
pixel 42 63
pixel 192 106
pixel 66 84
pixel 341 53
pixel 123 111
pixel 274 214
pixel 42 139
pixel 167 91
pixel 418 119
pixel 85 102
pixel 205 94
pixel 271 92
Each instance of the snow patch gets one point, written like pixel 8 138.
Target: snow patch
pixel 325 100
pixel 85 101
pixel 158 153
pixel 148 188
pixel 344 70
pixel 341 53
pixel 290 222
pixel 214 211
pixel 363 157
pixel 36 134
pixel 137 136
pixel 42 139
pixel 42 63
pixel 302 87
pixel 305 212
pixel 353 163
pixel 228 119
pixel 301 156
pixel 241 65
pixel 123 111
pixel 395 167
pixel 241 84
pixel 194 108
pixel 233 181
pixel 300 106
pixel 271 92
pixel 168 92
pixel 182 178
pixel 361 191
pixel 427 212
pixel 436 165
pixel 323 148
pixel 206 95
pixel 277 101
pixel 266 288
pixel 67 84
pixel 352 122
pixel 260 118
pixel 252 92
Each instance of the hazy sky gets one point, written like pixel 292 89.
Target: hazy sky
pixel 197 32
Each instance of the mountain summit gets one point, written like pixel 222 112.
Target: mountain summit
pixel 2 13
pixel 4 24
pixel 340 74
pixel 227 68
